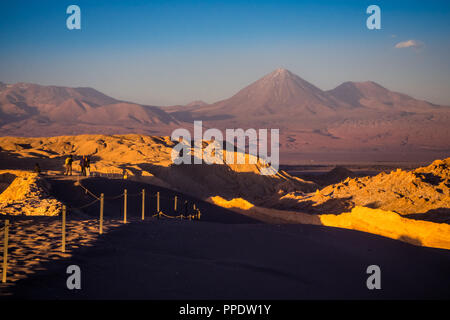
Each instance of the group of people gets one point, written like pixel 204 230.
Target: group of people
pixel 85 165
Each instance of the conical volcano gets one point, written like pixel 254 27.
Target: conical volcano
pixel 280 94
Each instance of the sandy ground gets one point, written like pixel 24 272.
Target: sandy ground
pixel 206 260
pixel 225 255
pixel 35 241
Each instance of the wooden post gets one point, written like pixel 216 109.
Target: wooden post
pixel 125 194
pixel 185 210
pixel 143 204
pixel 5 251
pixel 193 212
pixel 175 203
pixel 157 202
pixel 102 199
pixel 63 229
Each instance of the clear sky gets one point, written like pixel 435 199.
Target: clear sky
pixel 173 52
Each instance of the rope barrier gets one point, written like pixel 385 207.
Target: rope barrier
pixel 114 197
pixel 160 214
pixel 88 192
pixel 82 207
pixel 191 216
pixel 167 198
pixel 165 215
pixel 139 194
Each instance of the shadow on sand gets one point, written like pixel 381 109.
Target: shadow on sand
pixel 67 191
pixel 201 260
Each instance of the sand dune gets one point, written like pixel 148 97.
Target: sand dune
pixel 392 225
pixel 259 236
pixel 422 193
pixel 376 221
pixel 424 190
pixel 209 260
pixel 148 158
pixel 26 194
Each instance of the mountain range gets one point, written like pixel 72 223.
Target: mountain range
pixel 353 118
pixel 34 110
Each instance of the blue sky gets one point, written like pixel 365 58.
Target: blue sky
pixel 173 52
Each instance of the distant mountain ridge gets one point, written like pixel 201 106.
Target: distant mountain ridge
pixel 354 116
pixel 276 92
pixel 361 117
pixel 284 92
pixel 25 107
pixel 371 94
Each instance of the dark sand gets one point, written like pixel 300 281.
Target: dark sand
pixel 229 256
pixel 201 260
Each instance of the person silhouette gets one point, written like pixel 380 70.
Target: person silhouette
pixel 68 164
